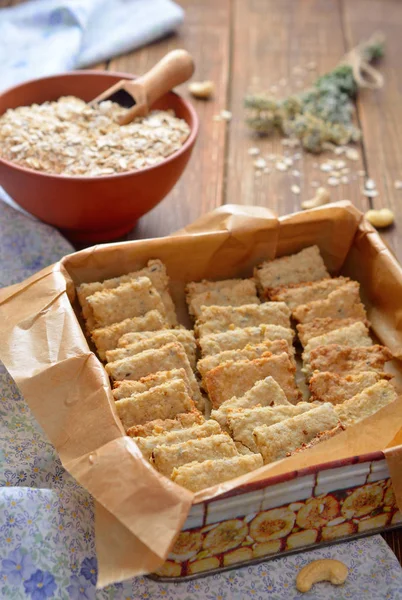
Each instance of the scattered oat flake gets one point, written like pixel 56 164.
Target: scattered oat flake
pixel 217 118
pixel 370 193
pixel 340 164
pixel 280 166
pixel 326 167
pixel 226 115
pixel 398 184
pixel 260 163
pixel 290 142
pixel 361 173
pixel 338 150
pixel 295 189
pixel 297 156
pixel 333 181
pixel 370 184
pixel 253 151
pixel 296 173
pixel 352 154
pixel 345 179
pixel 288 161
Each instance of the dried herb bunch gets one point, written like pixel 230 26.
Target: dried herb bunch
pixel 324 112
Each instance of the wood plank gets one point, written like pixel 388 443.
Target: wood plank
pixel 271 42
pixel 205 34
pixel 381 111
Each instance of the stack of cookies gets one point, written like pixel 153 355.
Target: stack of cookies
pixel 209 405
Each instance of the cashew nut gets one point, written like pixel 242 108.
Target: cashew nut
pixel 380 218
pixel 325 569
pixel 322 196
pixel 202 89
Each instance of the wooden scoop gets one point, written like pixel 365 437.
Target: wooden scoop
pixel 138 95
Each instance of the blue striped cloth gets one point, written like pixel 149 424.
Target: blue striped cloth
pixel 44 37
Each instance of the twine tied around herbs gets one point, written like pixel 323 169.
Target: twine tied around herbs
pixel 364 74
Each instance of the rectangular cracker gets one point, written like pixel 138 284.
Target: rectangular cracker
pixel 155 271
pixel 344 359
pixel 248 353
pixel 277 441
pixel 320 437
pixel 265 392
pixel 215 319
pixel 366 403
pixel 171 356
pixel 242 292
pixel 235 379
pixel 354 335
pixel 303 293
pixel 198 476
pixel 306 265
pixel 148 444
pixel 128 300
pixel 166 458
pixel 162 426
pixel 106 338
pixel 164 401
pixel 330 387
pixel 156 340
pixel 342 303
pixel 317 327
pixel 242 423
pixel 126 388
pixel 237 339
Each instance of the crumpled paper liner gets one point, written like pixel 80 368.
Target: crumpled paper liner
pixel 139 512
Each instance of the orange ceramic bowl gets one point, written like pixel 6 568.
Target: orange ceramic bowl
pixel 92 209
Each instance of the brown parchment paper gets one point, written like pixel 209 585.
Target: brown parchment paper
pixel 139 512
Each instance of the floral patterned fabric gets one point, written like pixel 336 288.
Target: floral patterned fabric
pixel 47 546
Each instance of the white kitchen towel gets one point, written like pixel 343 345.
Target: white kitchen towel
pixel 43 37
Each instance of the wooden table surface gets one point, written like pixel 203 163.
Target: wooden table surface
pixel 254 45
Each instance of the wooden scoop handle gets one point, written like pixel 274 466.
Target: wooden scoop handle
pixel 174 68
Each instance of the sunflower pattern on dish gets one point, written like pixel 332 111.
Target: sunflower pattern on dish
pixel 317 512
pixel 187 544
pixel 225 536
pixel 363 501
pixel 272 524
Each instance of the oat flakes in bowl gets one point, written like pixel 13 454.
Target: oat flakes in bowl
pixel 70 137
pixel 93 208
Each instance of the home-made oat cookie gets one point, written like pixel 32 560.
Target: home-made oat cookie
pixel 317 327
pixel 185 420
pixel 250 352
pixel 216 319
pixel 148 444
pixel 238 339
pixel 235 379
pixel 353 335
pixel 155 271
pixel 277 441
pixel 171 356
pixel 197 476
pixel 156 340
pixel 307 265
pixel 302 293
pixel 242 423
pixel 330 387
pixel 166 458
pixel 128 300
pixel 242 292
pixel 366 403
pixel 126 388
pixel 161 402
pixel 344 359
pixel 342 303
pixel 106 338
